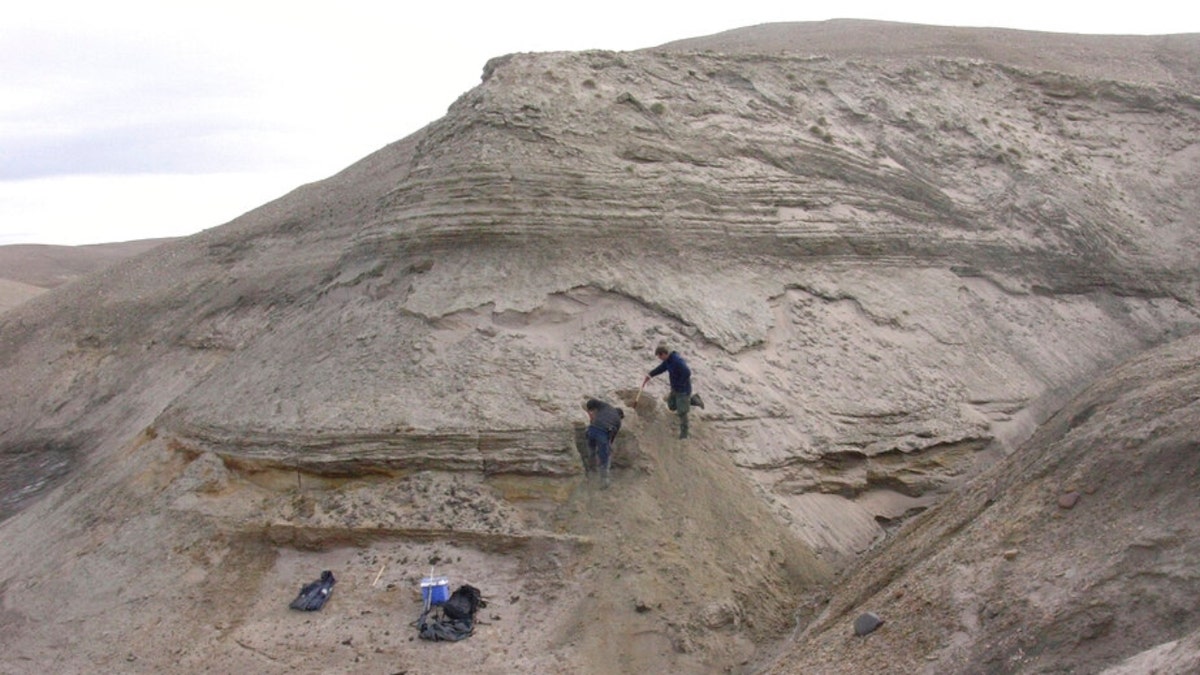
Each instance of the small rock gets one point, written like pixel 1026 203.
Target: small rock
pixel 719 614
pixel 1010 554
pixel 866 623
pixel 1068 500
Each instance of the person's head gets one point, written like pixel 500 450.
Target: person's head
pixel 592 405
pixel 661 351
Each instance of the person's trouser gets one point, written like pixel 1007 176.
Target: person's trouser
pixel 599 450
pixel 681 403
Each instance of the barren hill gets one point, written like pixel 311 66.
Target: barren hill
pixel 889 270
pixel 28 270
pixel 13 293
pixel 49 266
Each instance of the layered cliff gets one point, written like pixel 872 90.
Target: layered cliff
pixel 885 273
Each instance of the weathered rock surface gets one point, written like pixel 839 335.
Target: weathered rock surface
pixel 885 273
pixel 1107 586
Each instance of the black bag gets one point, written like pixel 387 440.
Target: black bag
pixel 463 603
pixel 313 596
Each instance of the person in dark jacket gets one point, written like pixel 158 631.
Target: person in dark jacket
pixel 680 398
pixel 604 421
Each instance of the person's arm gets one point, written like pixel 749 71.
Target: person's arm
pixel 658 370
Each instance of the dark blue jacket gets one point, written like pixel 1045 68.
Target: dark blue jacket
pixel 677 369
pixel 605 417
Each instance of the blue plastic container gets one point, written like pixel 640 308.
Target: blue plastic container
pixel 435 590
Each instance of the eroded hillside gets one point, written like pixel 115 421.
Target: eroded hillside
pixel 885 273
pixel 1076 554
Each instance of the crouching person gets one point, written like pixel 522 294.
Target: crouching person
pixel 604 421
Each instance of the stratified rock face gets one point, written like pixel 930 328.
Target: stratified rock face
pixel 880 273
pixel 874 270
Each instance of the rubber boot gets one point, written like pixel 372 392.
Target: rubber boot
pixel 683 426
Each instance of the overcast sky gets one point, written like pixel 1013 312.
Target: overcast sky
pixel 124 120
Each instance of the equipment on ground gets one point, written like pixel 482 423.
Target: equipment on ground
pixel 454 619
pixel 313 595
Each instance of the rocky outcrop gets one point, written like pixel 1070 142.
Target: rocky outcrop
pixel 862 261
pixel 885 273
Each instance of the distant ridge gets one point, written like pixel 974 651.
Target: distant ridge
pixel 49 266
pixel 13 293
pixel 1172 60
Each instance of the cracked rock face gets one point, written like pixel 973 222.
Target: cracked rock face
pixel 884 273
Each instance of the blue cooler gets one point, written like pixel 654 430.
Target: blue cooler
pixel 435 590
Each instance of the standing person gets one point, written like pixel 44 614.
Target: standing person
pixel 604 421
pixel 680 398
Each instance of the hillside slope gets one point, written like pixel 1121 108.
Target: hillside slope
pixel 1076 554
pixel 1170 60
pixel 13 293
pixel 886 274
pixel 47 266
pixel 28 270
